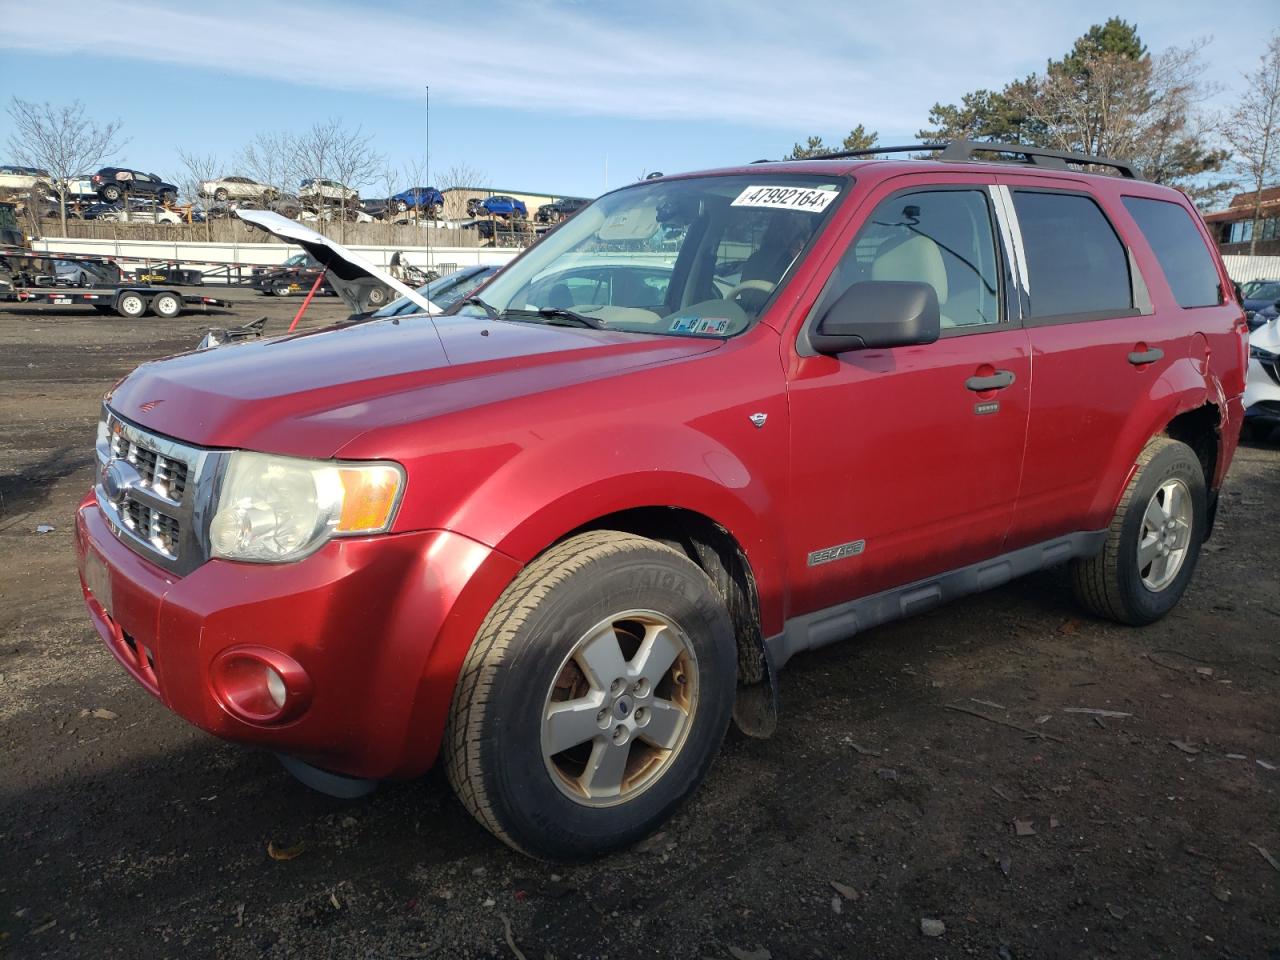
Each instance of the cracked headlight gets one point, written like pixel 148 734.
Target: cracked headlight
pixel 276 509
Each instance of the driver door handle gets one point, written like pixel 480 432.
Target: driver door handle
pixel 1139 357
pixel 997 381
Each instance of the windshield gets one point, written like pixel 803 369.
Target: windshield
pixel 443 292
pixel 1262 290
pixel 695 257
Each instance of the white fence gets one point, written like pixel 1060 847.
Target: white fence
pixel 1242 269
pixel 199 255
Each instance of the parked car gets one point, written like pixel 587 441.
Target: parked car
pixel 313 190
pixel 131 210
pixel 559 542
pixel 115 183
pixel 237 188
pixel 559 210
pixel 428 200
pixel 443 292
pixel 18 182
pixel 1261 301
pixel 86 273
pixel 295 275
pixel 498 205
pixel 1262 391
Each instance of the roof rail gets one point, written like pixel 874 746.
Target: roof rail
pixel 963 151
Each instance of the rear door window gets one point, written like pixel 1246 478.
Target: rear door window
pixel 1077 267
pixel 1180 250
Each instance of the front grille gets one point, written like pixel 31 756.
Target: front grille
pixel 149 489
pixel 166 476
pixel 153 526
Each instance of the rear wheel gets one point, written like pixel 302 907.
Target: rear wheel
pixel 594 699
pixel 131 305
pixel 221 195
pixel 1154 540
pixel 377 296
pixel 166 305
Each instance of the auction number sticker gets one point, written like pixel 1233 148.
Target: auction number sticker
pixel 808 199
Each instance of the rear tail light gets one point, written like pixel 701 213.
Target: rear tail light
pixel 259 685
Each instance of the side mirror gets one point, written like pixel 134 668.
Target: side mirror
pixel 879 313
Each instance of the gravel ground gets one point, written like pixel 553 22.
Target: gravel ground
pixel 880 812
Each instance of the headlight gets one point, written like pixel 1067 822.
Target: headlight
pixel 276 509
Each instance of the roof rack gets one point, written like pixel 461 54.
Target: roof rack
pixel 963 151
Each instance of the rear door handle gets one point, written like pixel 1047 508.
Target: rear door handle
pixel 997 381
pixel 1139 357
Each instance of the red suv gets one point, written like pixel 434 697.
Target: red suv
pixel 564 533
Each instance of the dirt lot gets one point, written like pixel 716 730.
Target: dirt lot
pixel 126 833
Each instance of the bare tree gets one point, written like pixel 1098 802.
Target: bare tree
pixel 460 176
pixel 355 165
pixel 268 159
pixel 61 140
pixel 1253 129
pixel 197 169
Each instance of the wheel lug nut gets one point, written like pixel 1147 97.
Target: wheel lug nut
pixel 617 686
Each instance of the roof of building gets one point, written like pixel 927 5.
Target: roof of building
pixel 1242 206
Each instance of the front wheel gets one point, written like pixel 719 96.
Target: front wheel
pixel 594 698
pixel 131 305
pixel 1153 542
pixel 221 195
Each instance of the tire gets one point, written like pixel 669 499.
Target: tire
pixel 110 193
pixel 166 305
pixel 131 305
pixel 401 206
pixel 168 197
pixel 377 296
pixel 221 195
pixel 1111 584
pixel 527 647
pixel 281 288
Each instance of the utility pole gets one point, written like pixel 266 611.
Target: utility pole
pixel 427 165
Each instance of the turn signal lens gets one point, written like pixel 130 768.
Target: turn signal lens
pixel 368 497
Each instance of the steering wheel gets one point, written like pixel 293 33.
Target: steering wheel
pixel 764 286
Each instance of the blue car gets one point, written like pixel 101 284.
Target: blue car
pixel 419 198
pixel 498 206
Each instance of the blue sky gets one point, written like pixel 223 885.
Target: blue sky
pixel 542 95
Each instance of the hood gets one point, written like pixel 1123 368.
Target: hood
pixel 311 394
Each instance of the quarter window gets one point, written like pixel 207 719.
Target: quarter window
pixel 1076 264
pixel 943 238
pixel 1179 248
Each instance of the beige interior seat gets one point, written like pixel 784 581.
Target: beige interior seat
pixel 916 259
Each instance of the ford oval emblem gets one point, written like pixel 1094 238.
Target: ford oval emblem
pixel 117 477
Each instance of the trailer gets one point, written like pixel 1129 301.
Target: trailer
pixel 27 277
pixel 131 302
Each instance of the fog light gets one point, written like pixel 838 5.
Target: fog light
pixel 259 685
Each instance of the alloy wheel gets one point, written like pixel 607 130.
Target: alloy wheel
pixel 620 708
pixel 1166 535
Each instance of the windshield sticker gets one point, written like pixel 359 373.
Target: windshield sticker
pixel 786 198
pixel 712 326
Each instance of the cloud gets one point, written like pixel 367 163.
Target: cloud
pixel 809 64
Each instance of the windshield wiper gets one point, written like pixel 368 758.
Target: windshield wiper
pixel 563 313
pixel 478 302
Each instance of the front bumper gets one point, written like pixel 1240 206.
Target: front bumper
pixel 380 625
pixel 1262 391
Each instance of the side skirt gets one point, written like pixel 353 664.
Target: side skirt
pixel 822 627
